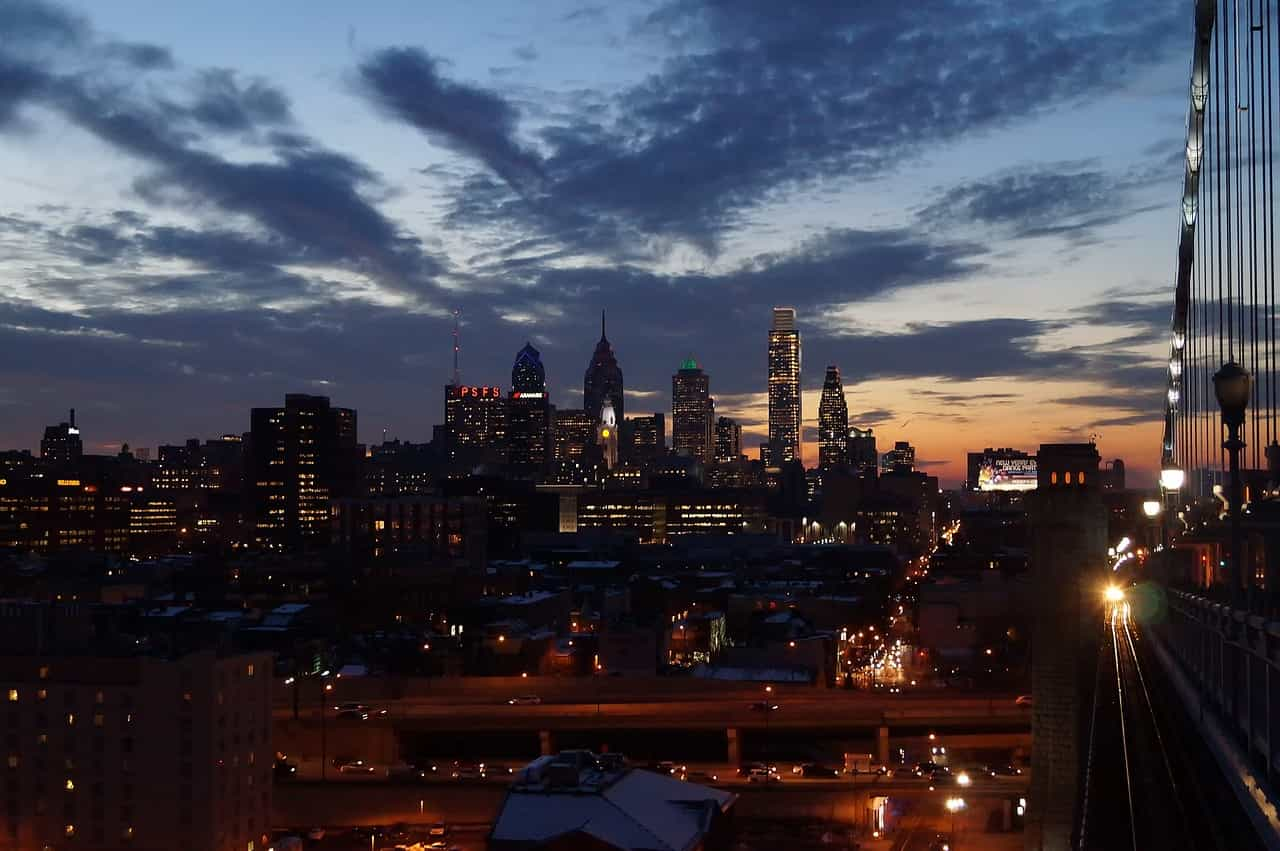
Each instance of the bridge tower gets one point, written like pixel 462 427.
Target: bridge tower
pixel 1068 526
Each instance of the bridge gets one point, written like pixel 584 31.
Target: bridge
pixel 1180 745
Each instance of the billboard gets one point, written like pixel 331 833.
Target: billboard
pixel 1007 474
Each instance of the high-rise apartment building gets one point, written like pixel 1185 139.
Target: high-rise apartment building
pixel 125 750
pixel 603 379
pixel 61 444
pixel 860 450
pixel 528 414
pixel 728 440
pixel 833 422
pixel 572 431
pixel 644 438
pixel 691 412
pixel 299 457
pixel 784 387
pixel 901 458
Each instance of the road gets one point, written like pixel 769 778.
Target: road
pixel 1150 784
pixel 829 709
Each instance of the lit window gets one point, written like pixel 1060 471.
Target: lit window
pixel 127 833
pixel 1066 477
pixel 13 760
pixel 98 719
pixel 1053 478
pixel 250 670
pixel 42 739
pixel 98 698
pixel 13 695
pixel 42 694
pixel 71 719
pixel 1082 477
pixel 70 785
pixel 44 672
pixel 70 830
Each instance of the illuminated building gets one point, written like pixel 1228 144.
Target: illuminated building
pixel 696 637
pixel 718 512
pixel 603 379
pixel 153 521
pixel 728 440
pixel 691 412
pixel 644 438
pixel 474 420
pixel 860 450
pixel 573 431
pixel 607 435
pixel 833 422
pixel 640 514
pixel 784 387
pixel 437 529
pixel 123 750
pixel 61 444
pixel 299 457
pixel 397 468
pixel 902 458
pixel 56 514
pixel 528 414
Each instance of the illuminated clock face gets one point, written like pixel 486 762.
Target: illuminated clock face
pixel 604 432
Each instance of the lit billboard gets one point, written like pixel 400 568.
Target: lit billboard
pixel 1007 474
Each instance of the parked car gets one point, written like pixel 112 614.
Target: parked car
pixel 700 777
pixel 747 767
pixel 763 775
pixel 763 706
pixel 525 700
pixel 813 769
pixel 1004 769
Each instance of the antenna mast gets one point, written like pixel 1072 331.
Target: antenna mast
pixel 457 375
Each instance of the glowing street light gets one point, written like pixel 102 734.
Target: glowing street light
pixel 963 779
pixel 955 805
pixel 1113 594
pixel 1151 508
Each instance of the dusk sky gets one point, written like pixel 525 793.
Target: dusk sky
pixel 972 205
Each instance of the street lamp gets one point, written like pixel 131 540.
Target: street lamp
pixel 954 805
pixel 1231 384
pixel 1151 508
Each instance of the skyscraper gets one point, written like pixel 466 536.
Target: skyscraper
pixel 474 419
pixel 728 439
pixel 860 450
pixel 644 438
pixel 572 431
pixel 901 458
pixel 603 379
pixel 691 412
pixel 784 386
pixel 299 457
pixel 528 413
pixel 833 421
pixel 61 444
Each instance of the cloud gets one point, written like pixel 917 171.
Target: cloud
pixel 406 83
pixel 874 417
pixel 525 53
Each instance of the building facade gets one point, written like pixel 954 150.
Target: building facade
pixel 61 444
pixel 728 440
pixel 901 458
pixel 644 438
pixel 860 450
pixel 691 412
pixel 833 422
pixel 528 414
pixel 299 457
pixel 573 430
pixel 474 419
pixel 784 387
pixel 136 752
pixel 603 379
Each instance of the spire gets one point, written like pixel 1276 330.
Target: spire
pixel 457 375
pixel 602 336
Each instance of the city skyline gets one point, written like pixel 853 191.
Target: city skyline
pixel 983 252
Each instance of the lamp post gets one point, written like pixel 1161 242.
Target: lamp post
pixel 1231 384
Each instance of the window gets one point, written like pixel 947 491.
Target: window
pixel 98 697
pixel 1053 478
pixel 70 785
pixel 13 760
pixel 44 672
pixel 42 694
pixel 1066 477
pixel 249 671
pixel 1082 477
pixel 71 719
pixel 70 830
pixel 13 695
pixel 98 719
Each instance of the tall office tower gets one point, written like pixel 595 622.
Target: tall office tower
pixel 784 386
pixel 1068 532
pixel 125 747
pixel 728 439
pixel 691 412
pixel 607 435
pixel 644 438
pixel 299 457
pixel 572 431
pixel 860 450
pixel 833 422
pixel 901 458
pixel 603 379
pixel 61 444
pixel 528 414
pixel 474 419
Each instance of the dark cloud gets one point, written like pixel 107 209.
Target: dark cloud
pixel 1067 200
pixel 874 417
pixel 406 83
pixel 144 57
pixel 221 103
pixel 525 53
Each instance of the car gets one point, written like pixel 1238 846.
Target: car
pixel 763 706
pixel 941 842
pixel 407 772
pixel 747 767
pixel 438 829
pixel 763 775
pixel 351 765
pixel 464 770
pixel 352 715
pixel 1023 700
pixel 813 769
pixel 700 777
pixel 930 770
pixel 665 767
pixel 525 700
pixel 1004 769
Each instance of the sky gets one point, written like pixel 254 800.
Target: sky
pixel 971 204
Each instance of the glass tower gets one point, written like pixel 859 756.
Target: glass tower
pixel 784 386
